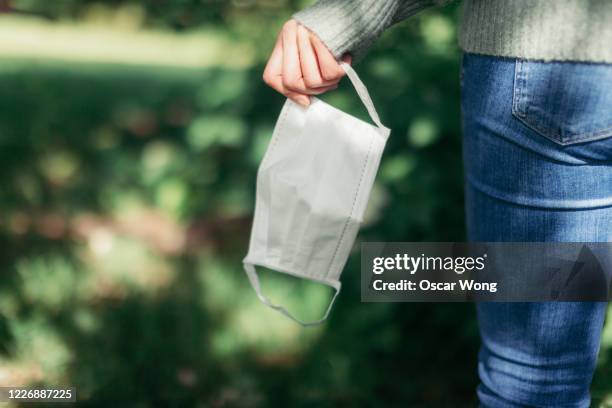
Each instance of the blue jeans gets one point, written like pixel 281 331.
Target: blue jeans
pixel 538 167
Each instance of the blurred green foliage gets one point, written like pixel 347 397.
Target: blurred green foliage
pixel 125 210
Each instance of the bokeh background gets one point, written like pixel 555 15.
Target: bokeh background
pixel 130 134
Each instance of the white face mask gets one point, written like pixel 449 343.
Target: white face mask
pixel 313 186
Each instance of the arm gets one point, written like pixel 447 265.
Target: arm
pixel 353 26
pixel 304 59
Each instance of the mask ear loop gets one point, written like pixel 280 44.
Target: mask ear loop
pixel 364 95
pixel 252 274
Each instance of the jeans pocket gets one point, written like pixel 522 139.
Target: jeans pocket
pixel 567 102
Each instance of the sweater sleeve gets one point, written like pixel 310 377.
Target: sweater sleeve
pixel 353 25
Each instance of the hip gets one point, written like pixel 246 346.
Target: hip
pixel 538 133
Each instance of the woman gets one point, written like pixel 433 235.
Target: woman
pixel 537 118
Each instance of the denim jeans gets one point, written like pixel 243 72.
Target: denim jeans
pixel 538 167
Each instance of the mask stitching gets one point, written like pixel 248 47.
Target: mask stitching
pixel 352 209
pixel 281 125
pixel 276 135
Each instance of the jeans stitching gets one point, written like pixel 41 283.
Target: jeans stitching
pixel 520 109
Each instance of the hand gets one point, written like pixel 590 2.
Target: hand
pixel 301 65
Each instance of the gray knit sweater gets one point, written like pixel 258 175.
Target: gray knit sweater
pixel 562 30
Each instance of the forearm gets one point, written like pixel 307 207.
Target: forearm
pixel 353 25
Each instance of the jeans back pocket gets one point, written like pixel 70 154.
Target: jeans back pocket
pixel 567 102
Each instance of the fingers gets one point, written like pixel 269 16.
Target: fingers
pixel 308 62
pixel 323 89
pixel 292 70
pixel 273 67
pixel 301 65
pixel 272 75
pixel 328 66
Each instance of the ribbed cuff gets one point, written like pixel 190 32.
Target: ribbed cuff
pixel 352 26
